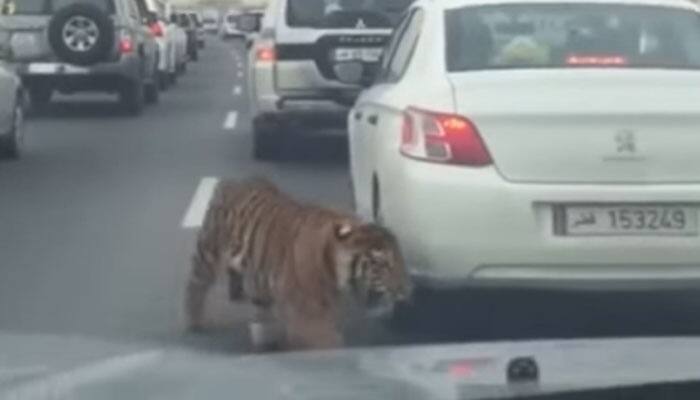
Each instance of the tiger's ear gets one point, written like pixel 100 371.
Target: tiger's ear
pixel 343 230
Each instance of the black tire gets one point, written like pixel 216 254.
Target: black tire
pixel 132 97
pixel 12 143
pixel 81 14
pixel 163 81
pixel 195 56
pixel 152 90
pixel 39 98
pixel 265 140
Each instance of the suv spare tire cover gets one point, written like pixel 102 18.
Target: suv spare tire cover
pixel 91 29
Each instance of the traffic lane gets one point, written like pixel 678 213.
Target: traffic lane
pixel 92 242
pixel 90 238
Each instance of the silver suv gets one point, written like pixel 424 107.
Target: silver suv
pixel 82 45
pixel 294 62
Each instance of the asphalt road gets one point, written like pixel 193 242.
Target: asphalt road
pixel 92 241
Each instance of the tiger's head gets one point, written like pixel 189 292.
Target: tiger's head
pixel 370 265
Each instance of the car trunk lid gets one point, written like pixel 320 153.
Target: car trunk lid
pixel 586 125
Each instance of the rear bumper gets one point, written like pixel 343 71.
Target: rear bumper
pixel 102 76
pixel 313 102
pixel 468 227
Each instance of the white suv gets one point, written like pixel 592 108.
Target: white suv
pixel 293 62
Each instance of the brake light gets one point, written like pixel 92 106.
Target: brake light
pixel 126 45
pixel 156 29
pixel 444 138
pixel 596 60
pixel 266 53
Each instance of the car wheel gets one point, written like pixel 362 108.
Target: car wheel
pixel 265 140
pixel 12 144
pixel 81 34
pixel 39 98
pixel 131 97
pixel 195 55
pixel 163 80
pixel 152 90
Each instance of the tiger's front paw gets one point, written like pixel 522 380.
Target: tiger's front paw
pixel 265 336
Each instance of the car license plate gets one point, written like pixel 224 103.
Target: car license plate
pixel 24 44
pixel 55 68
pixel 631 220
pixel 366 54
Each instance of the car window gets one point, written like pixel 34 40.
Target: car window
pixel 31 7
pixel 24 7
pixel 405 47
pixel 345 13
pixel 390 47
pixel 132 9
pixel 184 20
pixel 560 36
pixel 105 5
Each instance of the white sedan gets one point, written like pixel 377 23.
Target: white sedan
pixel 537 143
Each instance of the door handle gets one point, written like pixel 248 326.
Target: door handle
pixel 358 115
pixel 373 119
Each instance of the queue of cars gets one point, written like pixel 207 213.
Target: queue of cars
pixel 134 48
pixel 507 144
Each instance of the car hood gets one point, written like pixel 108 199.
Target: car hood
pixel 39 367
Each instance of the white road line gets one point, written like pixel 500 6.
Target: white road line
pixel 237 90
pixel 64 384
pixel 240 74
pixel 231 120
pixel 200 202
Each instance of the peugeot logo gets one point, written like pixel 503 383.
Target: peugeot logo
pixel 626 142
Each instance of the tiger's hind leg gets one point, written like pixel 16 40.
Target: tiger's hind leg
pixel 265 330
pixel 202 277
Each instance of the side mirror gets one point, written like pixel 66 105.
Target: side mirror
pixel 248 23
pixel 351 73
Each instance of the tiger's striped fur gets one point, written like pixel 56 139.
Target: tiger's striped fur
pixel 293 261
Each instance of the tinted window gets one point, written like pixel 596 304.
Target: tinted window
pixel 29 7
pixel 556 36
pixel 345 13
pixel 24 7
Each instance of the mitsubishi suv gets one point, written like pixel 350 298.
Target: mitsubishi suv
pixel 72 46
pixel 294 61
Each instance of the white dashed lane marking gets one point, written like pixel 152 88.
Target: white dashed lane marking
pixel 200 202
pixel 231 120
pixel 237 90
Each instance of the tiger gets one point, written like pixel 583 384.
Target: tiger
pixel 294 262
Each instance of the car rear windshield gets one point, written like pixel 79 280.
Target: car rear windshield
pixel 36 7
pixel 337 14
pixel 571 35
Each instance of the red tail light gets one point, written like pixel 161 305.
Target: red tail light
pixel 126 45
pixel 266 53
pixel 156 29
pixel 444 138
